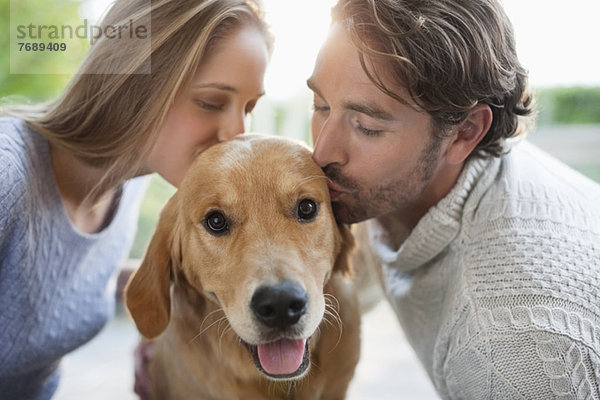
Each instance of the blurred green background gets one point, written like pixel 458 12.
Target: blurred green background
pixel 568 124
pixel 26 88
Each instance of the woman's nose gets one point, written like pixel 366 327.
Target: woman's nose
pixel 235 125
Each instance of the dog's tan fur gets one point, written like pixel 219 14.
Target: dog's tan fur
pixel 193 289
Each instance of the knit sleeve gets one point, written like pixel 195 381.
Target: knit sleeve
pixel 12 181
pixel 6 199
pixel 530 308
pixel 516 357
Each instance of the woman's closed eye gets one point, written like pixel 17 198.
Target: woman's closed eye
pixel 210 106
pixel 320 108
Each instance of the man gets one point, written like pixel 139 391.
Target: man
pixel 489 250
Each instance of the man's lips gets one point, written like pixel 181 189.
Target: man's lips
pixel 334 194
pixel 334 191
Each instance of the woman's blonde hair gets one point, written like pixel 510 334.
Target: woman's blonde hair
pixel 111 120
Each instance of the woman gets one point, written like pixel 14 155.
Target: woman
pixel 68 203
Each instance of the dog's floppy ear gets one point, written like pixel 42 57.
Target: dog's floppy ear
pixel 147 294
pixel 346 244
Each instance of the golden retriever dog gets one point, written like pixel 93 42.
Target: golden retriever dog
pixel 243 287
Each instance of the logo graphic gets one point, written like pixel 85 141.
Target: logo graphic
pixel 53 37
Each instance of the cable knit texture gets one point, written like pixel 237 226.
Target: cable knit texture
pixel 498 286
pixel 56 286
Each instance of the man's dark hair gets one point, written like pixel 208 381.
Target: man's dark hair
pixel 450 55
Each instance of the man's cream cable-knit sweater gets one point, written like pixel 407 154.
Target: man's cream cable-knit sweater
pixel 498 286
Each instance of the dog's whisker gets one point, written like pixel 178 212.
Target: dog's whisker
pixel 223 329
pixel 222 321
pixel 331 299
pixel 337 324
pixel 208 316
pixel 221 332
pixel 331 310
pixel 203 330
pixel 199 334
pixel 224 332
pixel 332 319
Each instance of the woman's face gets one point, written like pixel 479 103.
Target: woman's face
pixel 214 107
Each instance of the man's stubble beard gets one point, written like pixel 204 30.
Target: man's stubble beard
pixel 362 204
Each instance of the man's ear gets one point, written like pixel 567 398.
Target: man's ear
pixel 147 294
pixel 469 133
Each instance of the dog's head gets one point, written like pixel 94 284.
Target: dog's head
pixel 250 229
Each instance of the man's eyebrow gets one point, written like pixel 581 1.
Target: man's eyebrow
pixel 370 110
pixel 367 109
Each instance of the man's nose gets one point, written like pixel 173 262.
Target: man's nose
pixel 330 146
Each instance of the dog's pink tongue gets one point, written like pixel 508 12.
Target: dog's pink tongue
pixel 282 357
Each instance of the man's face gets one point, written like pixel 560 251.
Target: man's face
pixel 378 153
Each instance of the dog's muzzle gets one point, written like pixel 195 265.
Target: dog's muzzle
pixel 279 307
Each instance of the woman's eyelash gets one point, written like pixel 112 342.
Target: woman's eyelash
pixel 209 106
pixel 320 108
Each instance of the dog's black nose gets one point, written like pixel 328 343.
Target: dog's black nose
pixel 279 306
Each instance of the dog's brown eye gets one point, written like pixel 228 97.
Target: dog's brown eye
pixel 216 223
pixel 307 209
